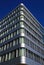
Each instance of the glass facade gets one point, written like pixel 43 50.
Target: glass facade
pixel 20 52
pixel 21 36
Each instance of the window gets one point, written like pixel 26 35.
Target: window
pixel 27 53
pixel 21 12
pixel 10 29
pixel 10 23
pixel 7 46
pixel 10 44
pixel 15 14
pixel 0 58
pixel 6 57
pixel 31 54
pixel 14 11
pixel 17 41
pixel 21 23
pixel 22 8
pixel 17 31
pixel 4 47
pixel 3 58
pixel 7 31
pixel 0 49
pixel 21 40
pixel 16 52
pixel 14 33
pixel 3 39
pixel 3 33
pixel 22 52
pixel 11 35
pixel 13 21
pixel 13 54
pixel 15 26
pixel 22 31
pixel 22 17
pixel 6 38
pixel 13 42
pixel 9 56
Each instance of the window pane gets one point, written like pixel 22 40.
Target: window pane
pixel 16 52
pixel 17 41
pixel 4 47
pixel 0 59
pixel 0 49
pixel 14 33
pixel 6 58
pixel 17 31
pixel 21 40
pixel 13 42
pixel 11 35
pixel 3 58
pixel 15 26
pixel 10 44
pixel 3 39
pixel 8 36
pixel 9 56
pixel 13 54
pixel 22 31
pixel 22 52
pixel 21 23
pixel 21 17
pixel 7 46
pixel 27 53
pixel 21 12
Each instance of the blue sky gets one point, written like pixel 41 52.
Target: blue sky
pixel 36 7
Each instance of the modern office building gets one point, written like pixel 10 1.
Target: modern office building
pixel 21 38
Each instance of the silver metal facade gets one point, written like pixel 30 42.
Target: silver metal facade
pixel 21 38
